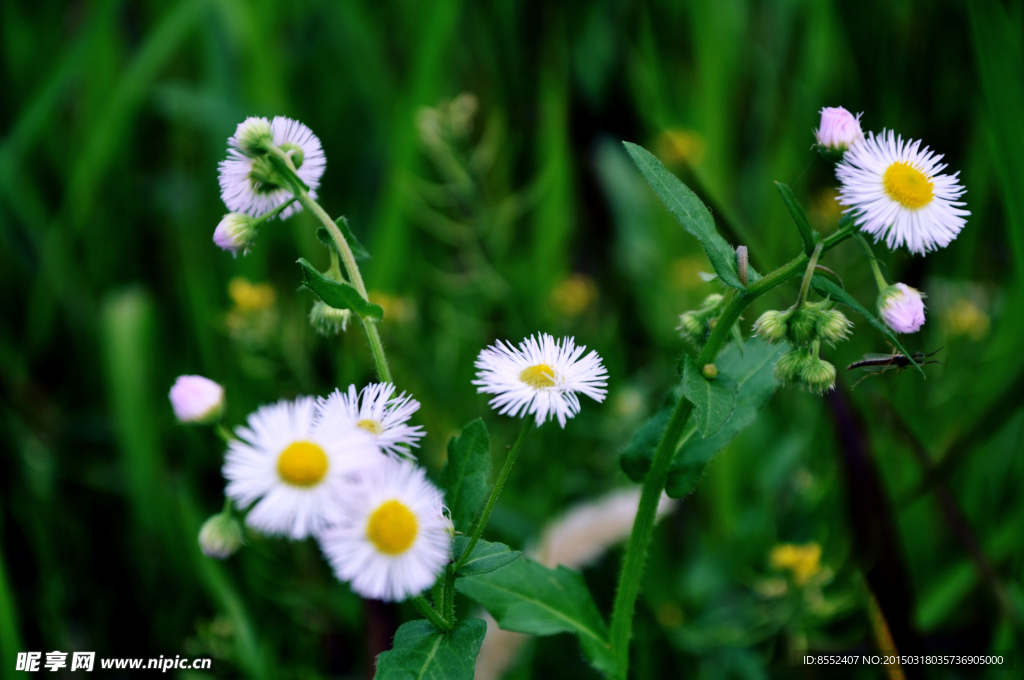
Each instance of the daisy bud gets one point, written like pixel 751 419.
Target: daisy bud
pixel 236 231
pixel 833 326
pixel 710 371
pixel 803 326
pixel 253 136
pixel 197 400
pixel 712 301
pixel 771 326
pixel 838 130
pixel 818 375
pixel 791 364
pixel 691 326
pixel 327 320
pixel 220 536
pixel 902 308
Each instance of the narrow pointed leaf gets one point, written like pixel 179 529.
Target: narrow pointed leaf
pixel 337 294
pixel 753 373
pixel 358 250
pixel 486 557
pixel 691 213
pixel 827 287
pixel 799 217
pixel 713 400
pixel 466 476
pixel 527 597
pixel 422 652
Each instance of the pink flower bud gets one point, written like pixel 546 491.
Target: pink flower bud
pixel 839 129
pixel 197 400
pixel 235 232
pixel 902 308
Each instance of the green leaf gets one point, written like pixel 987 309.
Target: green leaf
pixel 799 217
pixel 358 251
pixel 466 476
pixel 423 652
pixel 527 597
pixel 337 294
pixel 753 373
pixel 691 213
pixel 828 288
pixel 713 400
pixel 486 557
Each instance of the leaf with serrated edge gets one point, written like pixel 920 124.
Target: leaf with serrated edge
pixel 338 295
pixel 466 475
pixel 691 213
pixel 486 556
pixel 527 597
pixel 422 652
pixel 830 289
pixel 753 372
pixel 713 400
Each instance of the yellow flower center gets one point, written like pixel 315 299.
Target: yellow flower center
pixel 908 186
pixel 392 528
pixel 302 464
pixel 538 376
pixel 371 426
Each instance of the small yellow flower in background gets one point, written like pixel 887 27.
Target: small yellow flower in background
pixel 824 210
pixel 250 298
pixel 676 146
pixel 573 295
pixel 802 561
pixel 685 273
pixel 965 317
pixel 397 309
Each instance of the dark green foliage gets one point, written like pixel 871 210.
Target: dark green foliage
pixel 466 477
pixel 338 294
pixel 421 652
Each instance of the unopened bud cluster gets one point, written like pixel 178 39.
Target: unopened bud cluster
pixel 327 320
pixel 805 327
pixel 696 324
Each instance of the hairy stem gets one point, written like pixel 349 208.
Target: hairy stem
pixel 805 286
pixel 654 483
pixel 481 521
pixel 380 361
pixel 873 261
pixel 431 614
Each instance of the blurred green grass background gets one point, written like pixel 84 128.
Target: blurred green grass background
pixel 494 216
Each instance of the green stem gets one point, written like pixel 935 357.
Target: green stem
pixel 380 361
pixel 273 213
pixel 873 261
pixel 805 286
pixel 431 614
pixel 654 483
pixel 481 521
pixel 223 432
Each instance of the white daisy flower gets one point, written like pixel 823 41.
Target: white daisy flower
pixel 375 410
pixel 902 308
pixel 249 184
pixel 896 192
pixel 541 377
pixel 287 460
pixel 391 538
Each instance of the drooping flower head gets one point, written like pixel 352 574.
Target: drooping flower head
pixel 902 308
pixel 287 459
pixel 541 377
pixel 235 232
pixel 839 129
pixel 197 400
pixel 378 412
pixel 250 184
pixel 390 537
pixel 897 193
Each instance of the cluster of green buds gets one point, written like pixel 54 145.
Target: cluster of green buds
pixel 806 326
pixel 695 325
